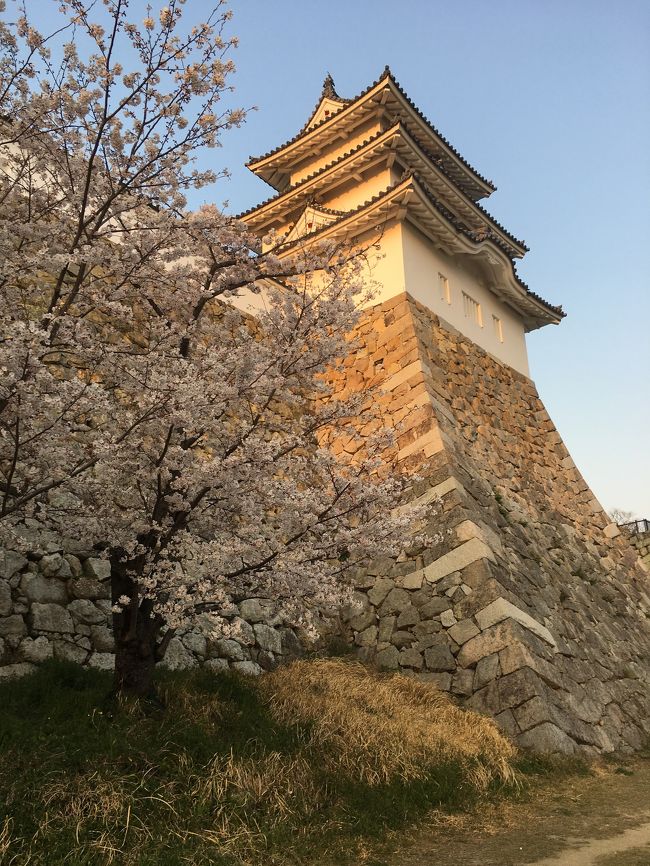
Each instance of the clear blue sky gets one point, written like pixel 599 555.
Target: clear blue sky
pixel 547 98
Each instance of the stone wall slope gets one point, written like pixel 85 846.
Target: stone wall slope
pixel 534 608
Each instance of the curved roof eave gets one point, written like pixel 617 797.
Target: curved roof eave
pixel 531 302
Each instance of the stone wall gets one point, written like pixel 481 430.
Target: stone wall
pixel 54 602
pixel 641 543
pixel 534 608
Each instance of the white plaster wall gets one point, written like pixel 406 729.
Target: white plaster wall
pixel 350 195
pixel 412 264
pixel 408 262
pixel 385 267
pixel 422 264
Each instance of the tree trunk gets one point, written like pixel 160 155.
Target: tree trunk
pixel 135 661
pixel 136 631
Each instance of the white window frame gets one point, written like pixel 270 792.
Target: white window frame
pixel 472 309
pixel 498 327
pixel 445 290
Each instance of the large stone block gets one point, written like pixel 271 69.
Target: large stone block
pixel 486 700
pixel 51 618
pixel 84 611
pixel 12 626
pixel 388 659
pixel 501 609
pixel 439 658
pixel 518 687
pixel 247 668
pixel 256 609
pixel 102 639
pixel 408 616
pixel 102 661
pixel 363 619
pixel 547 738
pixel 291 645
pixel 196 643
pixel 21 669
pixel 486 671
pixel 395 602
pixel 267 638
pixel 178 657
pixel 434 607
pixel 380 590
pixel 411 581
pixel 463 631
pixel 488 642
pixel 97 569
pixel 516 656
pixel 367 637
pixel 411 658
pixel 462 683
pixel 89 588
pixel 402 638
pixel 47 590
pixel 217 666
pixel 11 563
pixel 68 651
pixel 54 565
pixel 228 649
pixel 457 559
pixel 507 723
pixel 386 628
pixel 35 650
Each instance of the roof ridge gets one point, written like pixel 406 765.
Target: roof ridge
pixel 346 102
pixel 328 92
pixel 387 74
pixel 315 205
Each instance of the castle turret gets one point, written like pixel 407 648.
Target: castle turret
pixel 373 167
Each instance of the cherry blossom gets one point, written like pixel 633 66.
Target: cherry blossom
pixel 141 410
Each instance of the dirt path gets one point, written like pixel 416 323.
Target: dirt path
pixel 598 820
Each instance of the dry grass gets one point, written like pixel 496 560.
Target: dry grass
pixel 314 762
pixel 380 727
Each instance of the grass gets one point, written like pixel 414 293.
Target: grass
pixel 316 762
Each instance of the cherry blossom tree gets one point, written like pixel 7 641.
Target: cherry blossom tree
pixel 140 409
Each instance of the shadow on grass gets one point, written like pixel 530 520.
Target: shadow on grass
pixel 211 778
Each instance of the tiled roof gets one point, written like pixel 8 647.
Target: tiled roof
pixel 388 74
pixel 327 210
pixel 308 178
pixel 385 76
pixel 312 175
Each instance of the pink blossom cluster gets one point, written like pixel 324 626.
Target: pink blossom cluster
pixel 140 410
